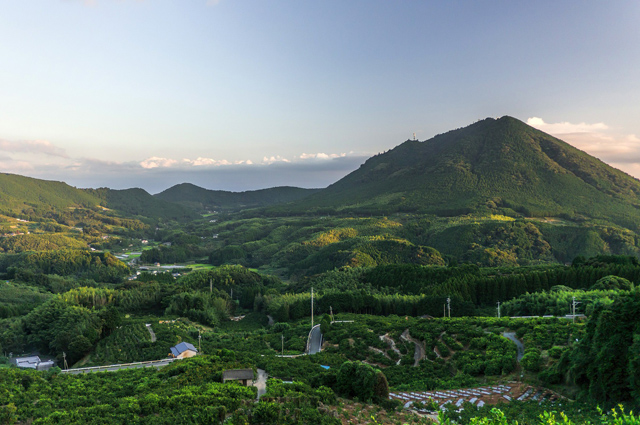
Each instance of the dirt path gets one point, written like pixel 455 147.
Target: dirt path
pixel 420 352
pixel 153 335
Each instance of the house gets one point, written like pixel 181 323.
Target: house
pixel 183 351
pixel 244 376
pixel 33 362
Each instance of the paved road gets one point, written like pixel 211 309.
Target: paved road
pixel 519 346
pixel 261 383
pixel 153 335
pixel 113 368
pixel 315 340
pixel 419 352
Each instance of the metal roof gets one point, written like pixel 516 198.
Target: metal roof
pixel 181 348
pixel 237 374
pixel 30 362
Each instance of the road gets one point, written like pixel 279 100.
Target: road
pixel 315 340
pixel 520 347
pixel 419 352
pixel 261 383
pixel 113 368
pixel 153 335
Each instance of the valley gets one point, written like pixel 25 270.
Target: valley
pixel 407 259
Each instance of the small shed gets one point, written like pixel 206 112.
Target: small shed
pixel 33 362
pixel 183 351
pixel 244 376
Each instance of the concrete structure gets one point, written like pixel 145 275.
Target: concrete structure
pixel 33 362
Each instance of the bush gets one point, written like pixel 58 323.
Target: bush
pixel 532 360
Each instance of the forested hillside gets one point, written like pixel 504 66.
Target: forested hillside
pixel 204 199
pixel 494 165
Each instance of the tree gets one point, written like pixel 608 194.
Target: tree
pixel 357 379
pixel 325 324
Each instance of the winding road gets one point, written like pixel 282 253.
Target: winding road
pixel 153 335
pixel 315 340
pixel 419 352
pixel 520 347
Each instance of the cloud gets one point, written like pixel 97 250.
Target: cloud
pixel 322 155
pixel 619 150
pixel 155 162
pixel 566 127
pixel 8 165
pixel 241 176
pixel 205 161
pixel 272 159
pixel 43 147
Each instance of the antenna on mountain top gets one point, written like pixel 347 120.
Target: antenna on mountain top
pixel 414 136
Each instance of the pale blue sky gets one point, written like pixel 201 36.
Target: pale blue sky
pixel 152 93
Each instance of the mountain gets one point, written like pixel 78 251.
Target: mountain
pixel 196 197
pixel 19 194
pixel 37 199
pixel 492 165
pixel 140 203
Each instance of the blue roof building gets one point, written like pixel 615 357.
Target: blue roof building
pixel 183 350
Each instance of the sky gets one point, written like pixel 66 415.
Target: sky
pixel 243 95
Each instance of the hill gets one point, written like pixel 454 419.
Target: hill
pixel 43 200
pixel 204 199
pixel 138 202
pixel 26 195
pixel 494 165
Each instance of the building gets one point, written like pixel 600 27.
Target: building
pixel 244 376
pixel 183 351
pixel 33 362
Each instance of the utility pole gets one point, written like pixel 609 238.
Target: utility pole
pixel 312 307
pixel 283 344
pixel 199 338
pixel 449 305
pixel 498 309
pixel 444 310
pixel 331 312
pixel 64 356
pixel 573 305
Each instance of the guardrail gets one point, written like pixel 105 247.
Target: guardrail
pixel 119 366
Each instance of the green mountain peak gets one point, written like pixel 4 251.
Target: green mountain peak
pixel 492 164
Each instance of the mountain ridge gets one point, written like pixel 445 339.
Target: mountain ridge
pixel 493 164
pixel 46 199
pixel 197 197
